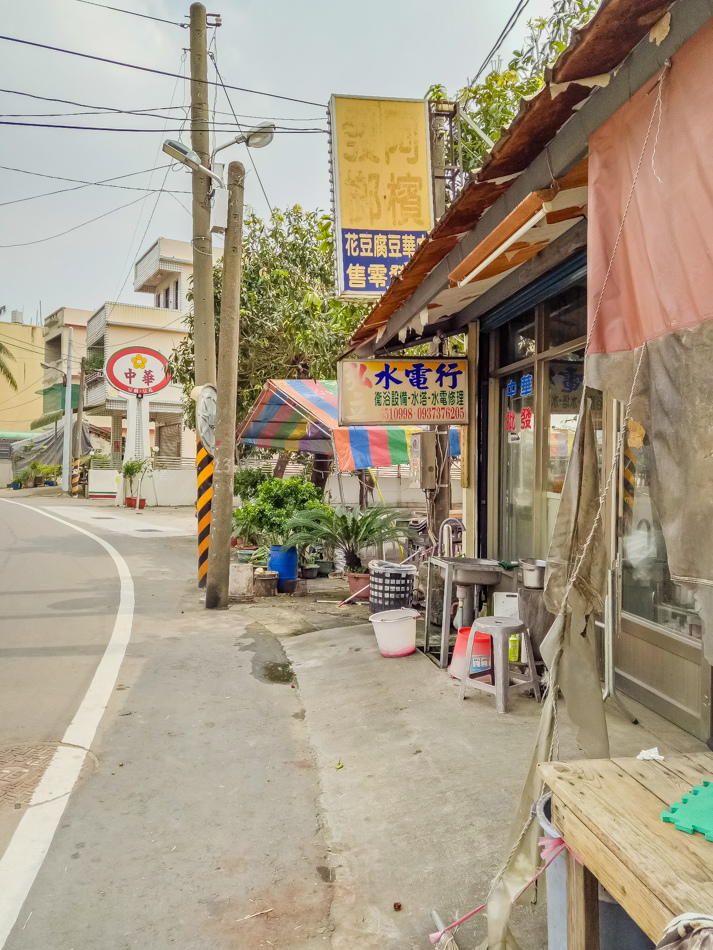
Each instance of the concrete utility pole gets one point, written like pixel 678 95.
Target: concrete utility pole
pixel 204 319
pixel 67 434
pixel 219 552
pixel 441 507
pixel 77 448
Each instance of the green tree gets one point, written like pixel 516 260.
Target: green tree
pixel 291 324
pixel 493 102
pixel 5 372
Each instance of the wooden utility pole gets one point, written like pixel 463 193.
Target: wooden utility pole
pixel 77 448
pixel 219 553
pixel 203 315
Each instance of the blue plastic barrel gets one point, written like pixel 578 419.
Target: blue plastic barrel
pixel 284 562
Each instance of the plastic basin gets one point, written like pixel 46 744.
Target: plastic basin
pixel 395 631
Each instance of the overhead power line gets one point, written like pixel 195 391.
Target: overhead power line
pixel 146 16
pixel 152 110
pixel 225 126
pixel 507 29
pixel 157 72
pixel 76 227
pixel 83 184
pixel 249 150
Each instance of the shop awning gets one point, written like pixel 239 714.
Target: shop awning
pixel 300 415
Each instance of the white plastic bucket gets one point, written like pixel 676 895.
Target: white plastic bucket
pixel 395 631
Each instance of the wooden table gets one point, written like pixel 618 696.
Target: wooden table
pixel 608 811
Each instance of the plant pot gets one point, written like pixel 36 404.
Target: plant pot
pixel 265 583
pixel 131 502
pixel 50 483
pixel 324 568
pixel 309 573
pixel 234 542
pixel 359 582
pixel 28 483
pixel 39 481
pixel 16 486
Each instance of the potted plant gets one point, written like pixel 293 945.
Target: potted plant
pixel 37 469
pixel 48 472
pixel 131 470
pixel 348 531
pixel 15 484
pixel 26 477
pixel 308 564
pixel 325 565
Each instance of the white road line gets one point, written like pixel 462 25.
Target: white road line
pixel 32 839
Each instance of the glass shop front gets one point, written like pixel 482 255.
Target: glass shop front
pixel 535 375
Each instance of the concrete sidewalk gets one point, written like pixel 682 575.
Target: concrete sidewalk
pixel 215 815
pixel 420 811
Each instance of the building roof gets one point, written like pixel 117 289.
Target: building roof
pixel 594 51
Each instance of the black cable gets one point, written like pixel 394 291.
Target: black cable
pixel 157 72
pixel 77 226
pixel 100 128
pixel 507 29
pixel 80 181
pixel 146 16
pixel 87 184
pixel 250 155
pixel 153 110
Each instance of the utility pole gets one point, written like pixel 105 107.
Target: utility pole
pixel 440 508
pixel 77 448
pixel 203 315
pixel 203 312
pixel 219 552
pixel 67 434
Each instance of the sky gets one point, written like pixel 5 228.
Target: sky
pixel 303 50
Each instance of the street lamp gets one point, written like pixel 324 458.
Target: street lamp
pixel 257 137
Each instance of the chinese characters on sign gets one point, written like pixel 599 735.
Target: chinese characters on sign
pixel 138 370
pixel 518 389
pixel 566 380
pixel 400 391
pixel 371 259
pixel 382 188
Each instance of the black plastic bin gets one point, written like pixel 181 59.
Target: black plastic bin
pixel 390 585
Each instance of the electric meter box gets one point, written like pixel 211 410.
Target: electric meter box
pixel 423 460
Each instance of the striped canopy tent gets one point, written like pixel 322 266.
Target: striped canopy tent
pixel 300 415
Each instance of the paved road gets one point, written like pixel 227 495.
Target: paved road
pixel 58 600
pixel 198 807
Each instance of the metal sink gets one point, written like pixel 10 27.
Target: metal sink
pixel 469 570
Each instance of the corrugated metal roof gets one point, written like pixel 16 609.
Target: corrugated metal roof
pixel 597 48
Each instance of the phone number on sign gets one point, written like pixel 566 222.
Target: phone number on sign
pixel 424 413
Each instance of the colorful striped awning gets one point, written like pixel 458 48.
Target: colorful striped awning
pixel 300 415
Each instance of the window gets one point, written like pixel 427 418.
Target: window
pixel 158 301
pixel 647 589
pixel 539 367
pixel 167 297
pixel 175 296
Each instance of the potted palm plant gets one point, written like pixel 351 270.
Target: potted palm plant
pixel 351 532
pixel 131 470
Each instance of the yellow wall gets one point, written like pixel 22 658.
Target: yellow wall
pixel 19 408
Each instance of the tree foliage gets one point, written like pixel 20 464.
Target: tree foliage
pixel 5 372
pixel 291 324
pixel 493 102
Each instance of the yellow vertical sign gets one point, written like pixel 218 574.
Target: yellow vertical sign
pixel 381 179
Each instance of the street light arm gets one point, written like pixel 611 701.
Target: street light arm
pixel 238 140
pixel 213 175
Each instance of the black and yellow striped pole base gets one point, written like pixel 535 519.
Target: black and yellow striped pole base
pixel 75 478
pixel 204 466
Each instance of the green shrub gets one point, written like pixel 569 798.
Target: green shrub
pixel 277 500
pixel 247 482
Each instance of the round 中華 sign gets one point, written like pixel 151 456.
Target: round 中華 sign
pixel 138 370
